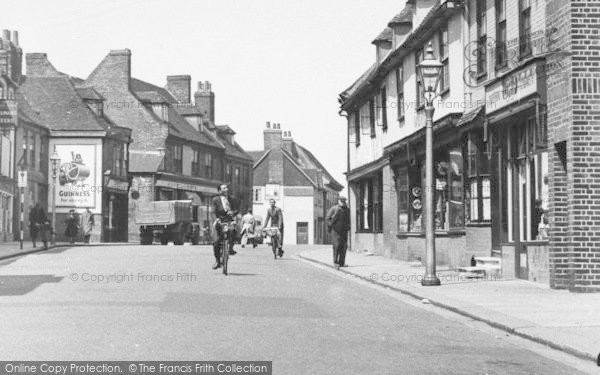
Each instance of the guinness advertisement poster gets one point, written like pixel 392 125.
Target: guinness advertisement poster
pixel 78 182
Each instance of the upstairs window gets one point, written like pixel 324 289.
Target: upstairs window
pixel 420 88
pixel 444 57
pixel 31 145
pixel 524 28
pixel 357 127
pixel 208 165
pixel 372 117
pixel 383 99
pixel 400 91
pixel 481 38
pixel 501 57
pixel 195 162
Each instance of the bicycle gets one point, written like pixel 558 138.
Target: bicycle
pixel 226 228
pixel 273 233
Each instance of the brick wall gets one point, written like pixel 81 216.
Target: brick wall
pixel 573 107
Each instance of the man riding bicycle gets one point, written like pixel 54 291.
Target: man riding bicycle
pixel 275 214
pixel 225 209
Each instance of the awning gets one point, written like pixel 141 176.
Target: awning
pixel 187 187
pixel 117 186
pixel 367 169
pixel 471 116
pixel 196 200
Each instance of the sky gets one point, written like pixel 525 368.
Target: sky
pixel 267 60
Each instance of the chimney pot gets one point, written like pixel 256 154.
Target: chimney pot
pixel 268 124
pixel 6 35
pixel 200 86
pixel 15 37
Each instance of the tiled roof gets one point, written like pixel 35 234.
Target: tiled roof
pixel 186 109
pixel 180 128
pixel 358 83
pixel 88 93
pixel 385 36
pixel 256 155
pixel 150 97
pixel 25 111
pixel 59 105
pixel 317 165
pixel 404 17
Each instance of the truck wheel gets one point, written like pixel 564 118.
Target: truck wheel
pixel 164 239
pixel 180 239
pixel 195 239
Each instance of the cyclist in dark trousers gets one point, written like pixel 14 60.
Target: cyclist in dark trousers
pixel 274 213
pixel 225 209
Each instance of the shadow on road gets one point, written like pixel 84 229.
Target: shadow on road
pixel 17 285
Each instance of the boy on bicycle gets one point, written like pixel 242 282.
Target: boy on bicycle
pixel 225 209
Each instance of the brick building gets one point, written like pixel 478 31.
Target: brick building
pixel 176 152
pixel 92 149
pixel 302 187
pixel 514 138
pixel 24 144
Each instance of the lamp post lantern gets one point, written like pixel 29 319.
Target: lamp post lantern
pixel 429 73
pixel 55 159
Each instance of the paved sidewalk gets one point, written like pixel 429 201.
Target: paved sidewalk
pixel 11 249
pixel 562 320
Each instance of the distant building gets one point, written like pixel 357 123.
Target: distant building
pixel 302 187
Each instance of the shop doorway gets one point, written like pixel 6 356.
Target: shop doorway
pixel 302 233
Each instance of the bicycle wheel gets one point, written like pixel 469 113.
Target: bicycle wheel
pixel 225 254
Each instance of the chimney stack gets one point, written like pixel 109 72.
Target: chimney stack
pixel 272 137
pixel 180 87
pixel 287 141
pixel 205 101
pixel 15 37
pixel 37 64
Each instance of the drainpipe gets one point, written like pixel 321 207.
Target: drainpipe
pixel 345 114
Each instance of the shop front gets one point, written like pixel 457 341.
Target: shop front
pixel 517 130
pixel 452 201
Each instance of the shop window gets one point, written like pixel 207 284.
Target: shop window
pixel 478 173
pixel 370 204
pixel 529 161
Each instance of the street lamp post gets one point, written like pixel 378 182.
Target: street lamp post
pixel 55 159
pixel 429 72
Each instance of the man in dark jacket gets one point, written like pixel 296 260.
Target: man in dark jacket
pixel 37 217
pixel 225 209
pixel 338 223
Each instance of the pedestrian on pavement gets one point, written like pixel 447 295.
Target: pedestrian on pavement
pixel 71 226
pixel 37 217
pixel 338 224
pixel 275 214
pixel 87 224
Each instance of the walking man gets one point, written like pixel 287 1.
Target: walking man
pixel 87 224
pixel 338 224
pixel 37 217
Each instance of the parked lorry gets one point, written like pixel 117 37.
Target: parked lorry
pixel 167 221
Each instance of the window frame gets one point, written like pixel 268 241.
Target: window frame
pixel 372 117
pixel 501 47
pixel 443 44
pixel 400 92
pixel 357 128
pixel 481 21
pixel 383 99
pixel 420 102
pixel 525 49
